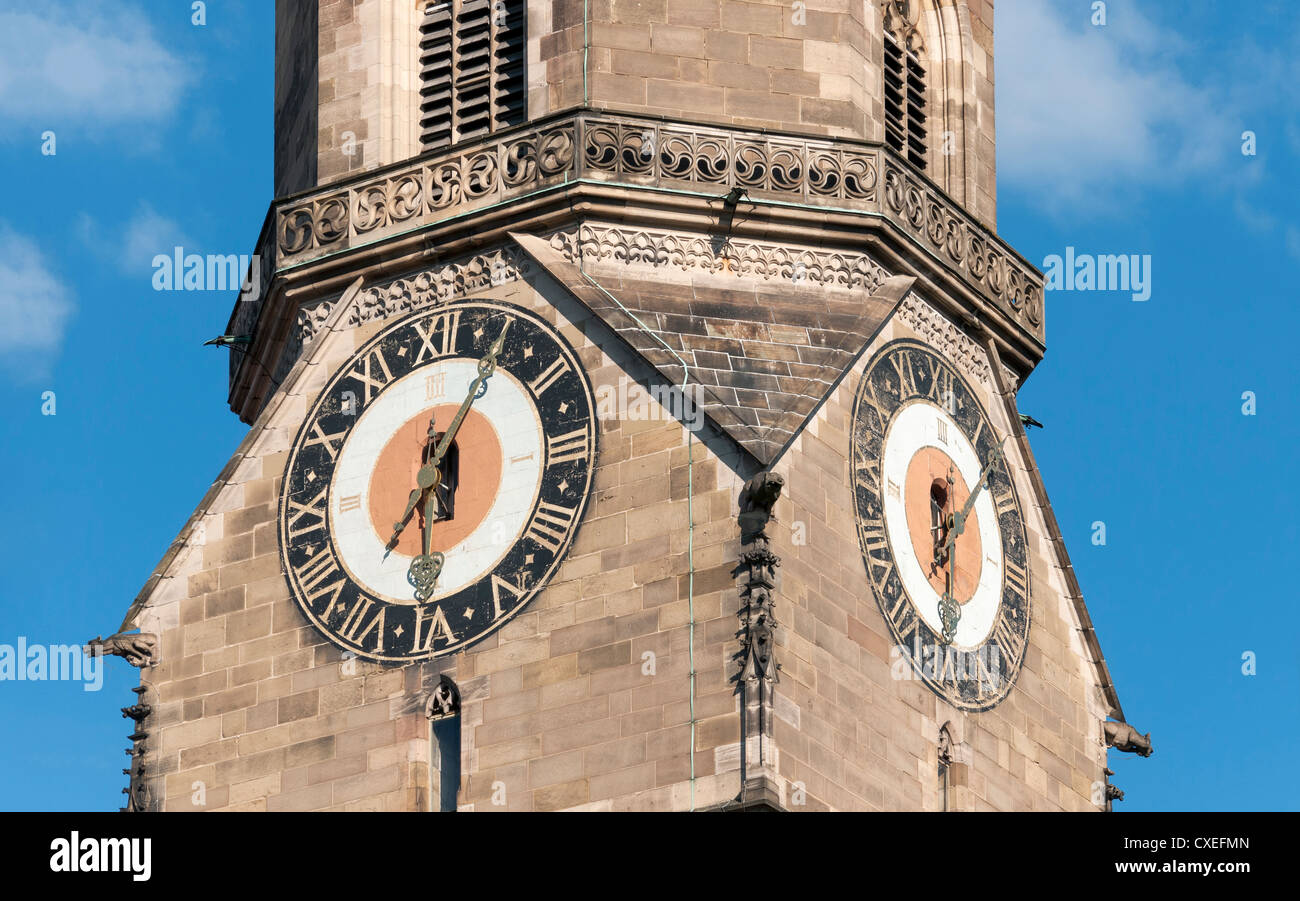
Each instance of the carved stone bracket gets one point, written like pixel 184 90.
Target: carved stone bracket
pixel 444 700
pixel 138 648
pixel 1123 737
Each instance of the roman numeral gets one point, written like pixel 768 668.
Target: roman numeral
pixel 940 384
pixel 874 542
pixel 438 629
pixel 499 585
pixel 314 577
pixel 327 441
pixel 435 386
pixel 868 472
pixel 902 363
pixel 314 508
pixel 550 524
pixel 549 376
pixel 873 405
pixel 444 325
pixel 352 628
pixel 566 448
pixel 1009 640
pixel 904 619
pixel 1017 577
pixel 988 681
pixel 348 504
pixel 947 665
pixel 372 376
pixel 1005 503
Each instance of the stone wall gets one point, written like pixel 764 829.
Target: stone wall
pixel 815 68
pixel 562 707
pixel 857 738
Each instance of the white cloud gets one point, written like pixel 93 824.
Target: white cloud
pixel 1086 113
pixel 34 305
pixel 131 247
pixel 83 64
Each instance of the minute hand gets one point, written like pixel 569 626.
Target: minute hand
pixel 486 366
pixel 959 520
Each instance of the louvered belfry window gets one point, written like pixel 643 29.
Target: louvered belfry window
pixel 904 102
pixel 471 69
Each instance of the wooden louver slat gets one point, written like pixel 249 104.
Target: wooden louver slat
pixel 472 73
pixel 904 89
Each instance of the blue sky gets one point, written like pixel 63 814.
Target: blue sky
pixel 1123 138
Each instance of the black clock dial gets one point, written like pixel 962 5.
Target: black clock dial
pixel 940 526
pixel 510 488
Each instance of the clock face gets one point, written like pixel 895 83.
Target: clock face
pixel 922 446
pixel 374 494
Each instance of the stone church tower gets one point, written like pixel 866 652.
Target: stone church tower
pixel 632 392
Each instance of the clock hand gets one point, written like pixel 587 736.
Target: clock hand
pixel 958 519
pixel 425 569
pixel 427 476
pixel 416 496
pixel 949 609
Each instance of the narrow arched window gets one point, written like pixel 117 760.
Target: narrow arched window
pixel 472 55
pixel 443 710
pixel 945 768
pixel 905 120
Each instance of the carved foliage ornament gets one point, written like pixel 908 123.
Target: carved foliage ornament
pixel 433 286
pixel 740 258
pixel 902 19
pixel 758 566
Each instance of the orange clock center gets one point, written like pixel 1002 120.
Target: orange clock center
pixel 393 479
pixel 927 484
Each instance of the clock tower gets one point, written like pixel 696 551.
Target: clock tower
pixel 632 402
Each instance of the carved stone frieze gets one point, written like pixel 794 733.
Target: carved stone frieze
pixel 428 188
pixel 725 157
pixel 435 285
pixel 743 259
pixel 790 178
pixel 711 159
pixel 960 241
pixel 941 334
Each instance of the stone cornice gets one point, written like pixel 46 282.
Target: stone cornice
pixel 558 169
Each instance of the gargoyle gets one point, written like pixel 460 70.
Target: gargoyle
pixel 756 501
pixel 139 648
pixel 1123 737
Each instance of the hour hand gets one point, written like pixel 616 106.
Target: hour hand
pixel 406 518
